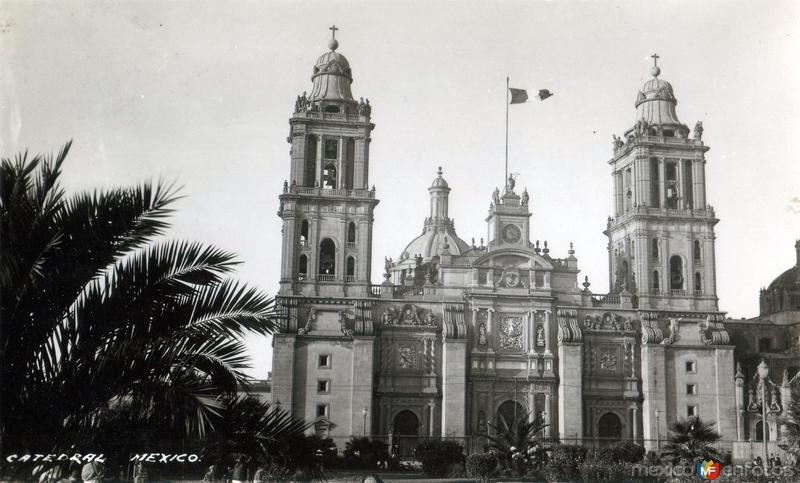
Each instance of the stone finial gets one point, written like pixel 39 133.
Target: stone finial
pixel 586 283
pixel 739 373
pixel 571 250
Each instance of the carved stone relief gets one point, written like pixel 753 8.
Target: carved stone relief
pixel 510 333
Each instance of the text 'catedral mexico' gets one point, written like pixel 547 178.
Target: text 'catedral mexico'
pixel 460 333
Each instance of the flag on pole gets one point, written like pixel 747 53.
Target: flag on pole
pixel 544 94
pixel 518 96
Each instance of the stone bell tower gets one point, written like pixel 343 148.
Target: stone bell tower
pixel 661 237
pixel 327 204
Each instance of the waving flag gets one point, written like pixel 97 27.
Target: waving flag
pixel 518 96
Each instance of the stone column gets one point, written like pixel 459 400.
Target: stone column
pixel 318 175
pixel 740 409
pixel 454 386
pixel 725 395
pixel 342 167
pixel 570 391
pixel 283 363
pixel 681 187
pixel 490 329
pixel 547 332
pixel 654 387
pixel 662 182
pixel 548 414
pixel 361 391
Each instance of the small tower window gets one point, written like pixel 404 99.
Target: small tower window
pixel 675 273
pixel 351 235
pixel 304 233
pixel 302 269
pixel 654 244
pixel 327 257
pixel 351 268
pixel 696 251
pixel 329 176
pixel 310 174
pixel 656 282
pixel 698 283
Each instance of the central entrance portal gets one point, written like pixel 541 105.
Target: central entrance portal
pixel 406 433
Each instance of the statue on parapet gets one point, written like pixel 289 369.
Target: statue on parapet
pixel 698 131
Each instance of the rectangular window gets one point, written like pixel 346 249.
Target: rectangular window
pixel 324 360
pixel 331 149
pixel 691 367
pixel 691 410
pixel 322 410
pixel 691 389
pixel 323 386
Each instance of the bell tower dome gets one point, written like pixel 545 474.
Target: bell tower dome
pixel 661 237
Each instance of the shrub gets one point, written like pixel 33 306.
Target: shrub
pixel 363 453
pixel 604 470
pixel 481 466
pixel 565 461
pixel 439 456
pixel 628 451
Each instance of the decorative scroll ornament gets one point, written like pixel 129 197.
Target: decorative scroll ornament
pixel 568 328
pixel 347 332
pixel 453 322
pixel 712 332
pixel 312 317
pixel 409 315
pixel 651 332
pixel 362 325
pixel 673 332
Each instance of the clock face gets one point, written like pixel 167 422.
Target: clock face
pixel 511 233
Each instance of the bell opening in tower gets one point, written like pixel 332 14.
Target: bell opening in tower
pixel 329 176
pixel 327 257
pixel 676 273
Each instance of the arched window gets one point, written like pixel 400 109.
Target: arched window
pixel 696 251
pixel 329 176
pixel 760 431
pixel 304 233
pixel 656 282
pixel 609 427
pixel 508 414
pixel 675 273
pixel 351 235
pixel 327 258
pixel 351 268
pixel 698 283
pixel 302 270
pixel 655 248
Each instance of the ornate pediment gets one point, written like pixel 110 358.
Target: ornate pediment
pixel 408 315
pixel 608 322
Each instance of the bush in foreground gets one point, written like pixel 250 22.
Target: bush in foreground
pixel 481 466
pixel 439 456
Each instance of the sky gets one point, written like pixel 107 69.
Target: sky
pixel 200 93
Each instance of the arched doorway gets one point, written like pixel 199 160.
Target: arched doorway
pixel 507 414
pixel 609 428
pixel 405 431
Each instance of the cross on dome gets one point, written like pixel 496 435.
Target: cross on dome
pixel 655 70
pixel 333 44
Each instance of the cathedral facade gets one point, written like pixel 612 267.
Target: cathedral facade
pixel 458 335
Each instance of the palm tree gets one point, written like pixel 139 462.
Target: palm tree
pixel 791 421
pixel 691 439
pixel 98 318
pixel 518 442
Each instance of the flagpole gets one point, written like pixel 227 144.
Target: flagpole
pixel 505 178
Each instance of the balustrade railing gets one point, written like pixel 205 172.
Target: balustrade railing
pixel 324 277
